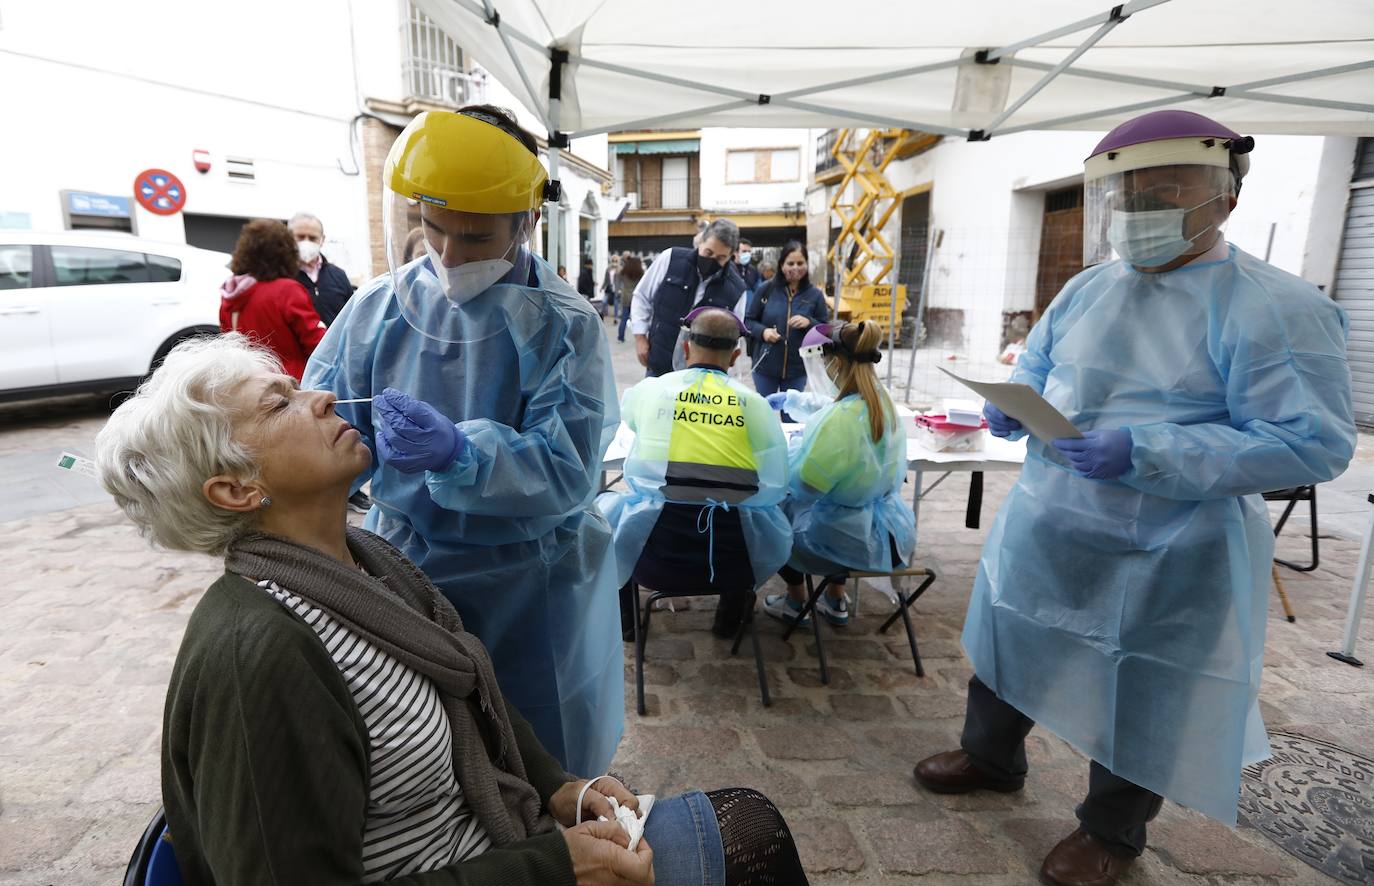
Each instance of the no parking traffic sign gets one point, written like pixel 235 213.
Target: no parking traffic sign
pixel 159 192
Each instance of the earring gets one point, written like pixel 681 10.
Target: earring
pixel 266 502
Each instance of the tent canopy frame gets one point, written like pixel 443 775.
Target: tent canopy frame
pixel 548 108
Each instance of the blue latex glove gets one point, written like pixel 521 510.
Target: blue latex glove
pixel 777 401
pixel 999 423
pixel 412 436
pixel 1100 455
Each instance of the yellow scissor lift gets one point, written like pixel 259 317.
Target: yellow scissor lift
pixel 861 254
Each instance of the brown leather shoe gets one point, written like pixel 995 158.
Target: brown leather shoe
pixel 954 773
pixel 1080 860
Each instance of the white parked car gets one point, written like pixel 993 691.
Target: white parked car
pixel 94 311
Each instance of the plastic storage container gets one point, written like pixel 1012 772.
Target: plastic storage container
pixel 938 433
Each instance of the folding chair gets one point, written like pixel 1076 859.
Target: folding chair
pixel 643 612
pixel 904 602
pixel 1293 496
pixel 153 862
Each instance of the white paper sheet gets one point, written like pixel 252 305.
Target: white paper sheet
pixel 1022 403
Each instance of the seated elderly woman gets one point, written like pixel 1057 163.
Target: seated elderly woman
pixel 329 720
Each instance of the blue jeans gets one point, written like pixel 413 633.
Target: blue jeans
pixel 624 319
pixel 767 384
pixel 685 837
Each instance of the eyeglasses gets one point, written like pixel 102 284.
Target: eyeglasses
pixel 1164 196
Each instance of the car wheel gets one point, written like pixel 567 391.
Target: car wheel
pixel 184 335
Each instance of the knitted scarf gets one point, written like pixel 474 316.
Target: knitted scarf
pixel 397 609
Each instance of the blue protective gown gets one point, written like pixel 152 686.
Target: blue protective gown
pixel 649 409
pixel 846 502
pixel 510 532
pixel 1128 616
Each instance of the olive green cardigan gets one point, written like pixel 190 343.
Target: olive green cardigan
pixel 265 759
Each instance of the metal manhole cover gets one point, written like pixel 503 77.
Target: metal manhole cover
pixel 1317 802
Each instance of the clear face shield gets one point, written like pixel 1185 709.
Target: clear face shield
pixel 819 379
pixel 446 264
pixel 1152 216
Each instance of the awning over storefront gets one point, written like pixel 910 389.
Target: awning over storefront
pixel 673 146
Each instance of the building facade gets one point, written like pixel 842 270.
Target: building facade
pixel 255 120
pixel 1005 220
pixel 668 183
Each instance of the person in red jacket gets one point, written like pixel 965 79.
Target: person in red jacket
pixel 264 301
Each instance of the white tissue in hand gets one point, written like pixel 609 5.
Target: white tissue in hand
pixel 628 819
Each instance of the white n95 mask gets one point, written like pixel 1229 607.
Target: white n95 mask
pixel 309 250
pixel 470 279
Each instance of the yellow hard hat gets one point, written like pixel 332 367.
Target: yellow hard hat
pixel 470 161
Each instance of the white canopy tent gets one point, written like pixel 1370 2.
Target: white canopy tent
pixel 976 70
pixel 987 66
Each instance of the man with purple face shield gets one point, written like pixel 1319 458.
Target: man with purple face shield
pixel 1121 597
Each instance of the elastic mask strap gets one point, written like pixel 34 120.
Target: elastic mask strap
pixel 1194 238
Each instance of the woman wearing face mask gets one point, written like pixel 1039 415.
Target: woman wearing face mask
pixel 779 314
pixel 496 405
pixel 846 475
pixel 264 301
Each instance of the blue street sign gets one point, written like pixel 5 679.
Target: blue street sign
pixel 87 203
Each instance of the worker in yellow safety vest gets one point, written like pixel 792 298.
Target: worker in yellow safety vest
pixel 707 474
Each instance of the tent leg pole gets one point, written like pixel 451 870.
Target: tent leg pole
pixel 1357 596
pixel 935 242
pixel 557 140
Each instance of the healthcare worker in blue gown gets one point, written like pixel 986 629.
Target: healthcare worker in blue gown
pixel 1121 597
pixel 846 471
pixel 491 404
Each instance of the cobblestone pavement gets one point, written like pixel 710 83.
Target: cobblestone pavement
pixel 93 618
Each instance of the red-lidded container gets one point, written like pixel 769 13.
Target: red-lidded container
pixel 938 433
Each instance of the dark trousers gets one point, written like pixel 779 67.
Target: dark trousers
pixel 767 384
pixel 682 557
pixel 1114 812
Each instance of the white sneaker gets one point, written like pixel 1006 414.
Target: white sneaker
pixel 834 611
pixel 784 608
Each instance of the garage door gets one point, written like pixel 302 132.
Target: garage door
pixel 1354 286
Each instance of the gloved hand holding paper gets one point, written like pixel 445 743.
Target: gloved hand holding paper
pixel 1022 403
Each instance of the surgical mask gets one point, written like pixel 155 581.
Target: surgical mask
pixel 706 265
pixel 1153 238
pixel 745 258
pixel 470 279
pixel 309 250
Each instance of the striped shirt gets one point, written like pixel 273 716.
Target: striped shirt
pixel 417 819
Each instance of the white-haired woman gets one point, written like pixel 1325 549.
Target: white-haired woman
pixel 329 720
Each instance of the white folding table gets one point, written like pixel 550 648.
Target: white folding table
pixel 996 455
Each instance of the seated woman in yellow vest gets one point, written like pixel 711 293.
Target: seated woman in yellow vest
pixel 847 471
pixel 707 475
